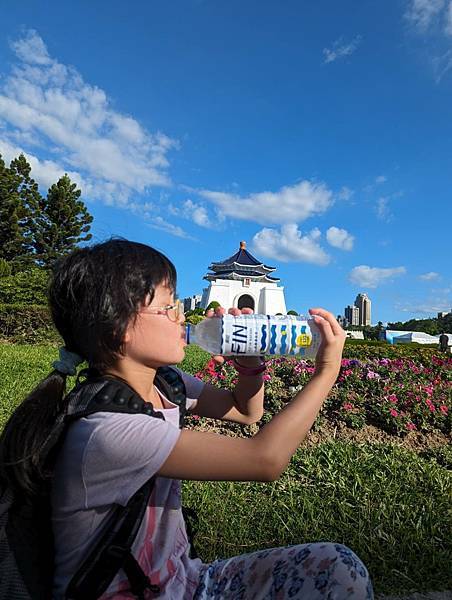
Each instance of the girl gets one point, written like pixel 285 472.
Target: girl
pixel 113 304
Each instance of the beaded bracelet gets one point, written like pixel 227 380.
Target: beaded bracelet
pixel 249 370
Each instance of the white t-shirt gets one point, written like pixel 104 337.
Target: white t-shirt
pixel 105 459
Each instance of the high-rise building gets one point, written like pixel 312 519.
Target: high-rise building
pixel 363 304
pixel 352 315
pixel 192 302
pixel 342 321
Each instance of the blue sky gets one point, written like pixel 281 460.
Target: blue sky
pixel 319 132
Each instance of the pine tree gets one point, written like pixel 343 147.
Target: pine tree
pixel 30 200
pixel 12 239
pixel 61 222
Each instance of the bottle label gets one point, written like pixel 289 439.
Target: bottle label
pixel 268 334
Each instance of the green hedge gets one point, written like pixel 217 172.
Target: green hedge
pixel 25 287
pixel 29 324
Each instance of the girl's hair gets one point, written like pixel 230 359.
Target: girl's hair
pixel 94 293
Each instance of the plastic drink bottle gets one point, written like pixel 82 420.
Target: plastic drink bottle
pixel 255 335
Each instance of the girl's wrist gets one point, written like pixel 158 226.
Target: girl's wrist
pixel 246 367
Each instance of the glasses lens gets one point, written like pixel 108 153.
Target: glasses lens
pixel 174 313
pixel 178 310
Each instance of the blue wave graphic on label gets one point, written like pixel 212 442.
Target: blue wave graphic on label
pixel 264 338
pixel 272 348
pixel 283 339
pixel 293 339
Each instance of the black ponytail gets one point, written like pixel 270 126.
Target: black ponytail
pixel 21 467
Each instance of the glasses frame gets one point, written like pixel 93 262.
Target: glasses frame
pixel 178 307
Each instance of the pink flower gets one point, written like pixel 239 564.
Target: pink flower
pixel 393 412
pixel 372 375
pixel 392 398
pixel 266 377
pixel 411 426
pixel 443 408
pixel 347 406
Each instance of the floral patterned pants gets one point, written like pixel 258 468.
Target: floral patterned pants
pixel 307 571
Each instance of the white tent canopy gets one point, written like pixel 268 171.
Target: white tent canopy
pixel 416 336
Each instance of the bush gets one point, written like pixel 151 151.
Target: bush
pixel 26 287
pixel 214 304
pixel 194 319
pixel 5 268
pixel 30 324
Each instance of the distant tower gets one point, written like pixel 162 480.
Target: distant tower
pixel 352 315
pixel 242 281
pixel 364 306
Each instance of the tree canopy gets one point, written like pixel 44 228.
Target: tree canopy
pixel 35 230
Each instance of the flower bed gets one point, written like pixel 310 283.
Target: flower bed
pixel 410 391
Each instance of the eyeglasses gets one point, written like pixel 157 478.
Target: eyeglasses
pixel 172 311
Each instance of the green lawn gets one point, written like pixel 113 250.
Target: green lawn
pixel 391 506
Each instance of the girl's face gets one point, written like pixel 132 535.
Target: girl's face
pixel 157 337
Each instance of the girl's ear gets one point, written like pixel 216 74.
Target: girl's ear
pixel 128 333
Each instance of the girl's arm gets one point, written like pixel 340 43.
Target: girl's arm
pixel 208 456
pixel 244 404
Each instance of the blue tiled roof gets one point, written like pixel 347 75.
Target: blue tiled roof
pixel 242 257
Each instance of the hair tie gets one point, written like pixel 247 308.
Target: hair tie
pixel 67 365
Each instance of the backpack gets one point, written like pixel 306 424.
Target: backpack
pixel 26 541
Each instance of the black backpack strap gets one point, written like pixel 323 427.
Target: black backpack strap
pixel 106 394
pixel 113 552
pixel 170 383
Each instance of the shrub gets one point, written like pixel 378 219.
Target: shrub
pixel 194 319
pixel 25 287
pixel 5 268
pixel 27 324
pixel 214 304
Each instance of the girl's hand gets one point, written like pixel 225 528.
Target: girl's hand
pixel 328 359
pixel 219 312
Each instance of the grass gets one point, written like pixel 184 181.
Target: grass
pixel 390 505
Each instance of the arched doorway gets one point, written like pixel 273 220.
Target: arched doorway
pixel 246 301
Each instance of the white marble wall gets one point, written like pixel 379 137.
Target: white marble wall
pixel 268 297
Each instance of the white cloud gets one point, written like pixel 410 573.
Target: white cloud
pixel 340 238
pixel 442 64
pixel 46 172
pixel 289 245
pixel 382 209
pixel 429 276
pixel 422 13
pixel 345 193
pixel 381 179
pixel 31 49
pixel 193 212
pixel 372 277
pixel 340 49
pixel 160 223
pixel 290 204
pixel 448 26
pixel 427 307
pixel 74 123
